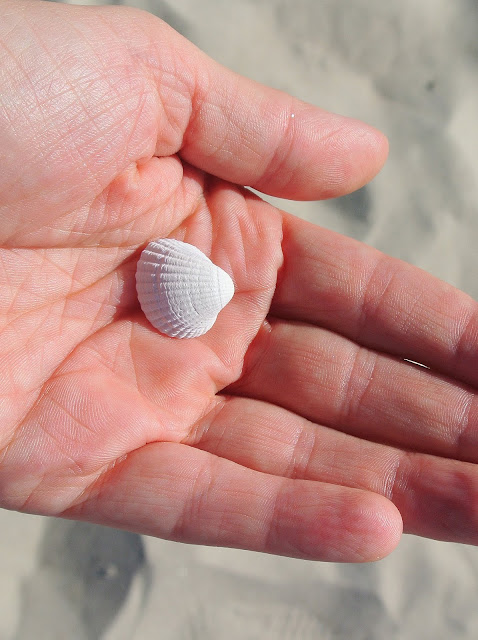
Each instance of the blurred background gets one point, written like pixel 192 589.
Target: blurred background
pixel 410 69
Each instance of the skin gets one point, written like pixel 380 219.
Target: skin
pixel 296 426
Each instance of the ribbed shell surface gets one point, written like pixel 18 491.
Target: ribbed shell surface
pixel 179 289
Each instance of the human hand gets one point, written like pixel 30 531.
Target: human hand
pixel 295 426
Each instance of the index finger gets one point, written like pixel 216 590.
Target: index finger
pixel 379 302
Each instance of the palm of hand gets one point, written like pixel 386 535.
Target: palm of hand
pixel 103 418
pixel 89 380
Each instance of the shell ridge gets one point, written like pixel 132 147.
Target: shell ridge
pixel 181 291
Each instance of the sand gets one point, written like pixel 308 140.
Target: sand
pixel 411 69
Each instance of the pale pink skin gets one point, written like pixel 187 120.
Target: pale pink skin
pixel 114 130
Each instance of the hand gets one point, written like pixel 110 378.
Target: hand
pixel 295 426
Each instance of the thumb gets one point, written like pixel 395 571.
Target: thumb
pixel 249 134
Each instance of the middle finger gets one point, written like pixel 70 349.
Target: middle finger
pixel 331 380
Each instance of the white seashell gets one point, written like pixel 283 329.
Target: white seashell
pixel 179 289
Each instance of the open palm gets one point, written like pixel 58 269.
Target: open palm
pixel 295 425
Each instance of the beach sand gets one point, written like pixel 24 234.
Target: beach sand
pixel 411 69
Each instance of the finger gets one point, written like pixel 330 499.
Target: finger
pixel 243 132
pixel 150 92
pixel 174 491
pixel 376 300
pixel 328 379
pixel 436 497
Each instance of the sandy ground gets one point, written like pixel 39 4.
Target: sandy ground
pixel 411 69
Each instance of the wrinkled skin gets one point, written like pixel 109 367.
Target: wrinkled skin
pixel 295 426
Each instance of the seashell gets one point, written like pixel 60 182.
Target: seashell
pixel 179 289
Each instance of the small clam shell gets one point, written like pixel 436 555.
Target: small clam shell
pixel 179 289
